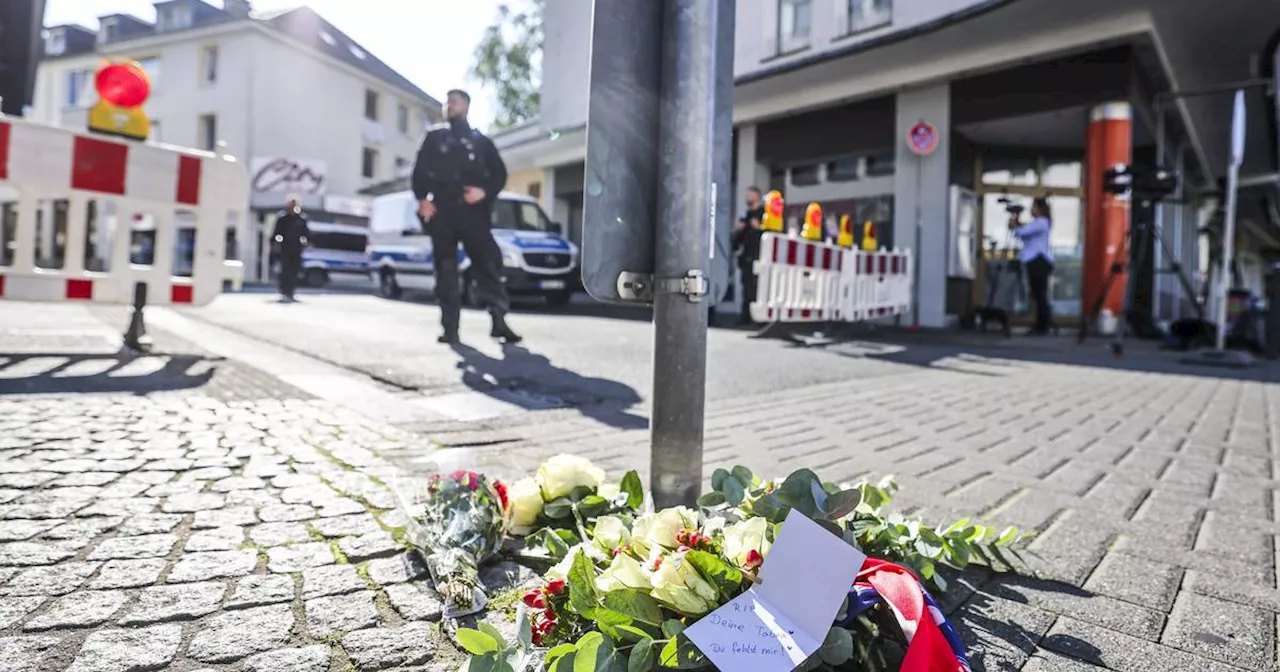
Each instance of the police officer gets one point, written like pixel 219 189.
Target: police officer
pixel 290 237
pixel 456 180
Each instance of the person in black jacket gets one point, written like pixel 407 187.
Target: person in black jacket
pixel 456 179
pixel 290 238
pixel 746 239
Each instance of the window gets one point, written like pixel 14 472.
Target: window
pixel 57 43
pixel 77 83
pixel 402 166
pixel 109 32
pixel 176 18
pixel 795 23
pixel 803 176
pixel 844 169
pixel 208 140
pixel 881 164
pixel 369 166
pixel 341 242
pixel 209 65
pixel 371 105
pixel 519 216
pixel 868 14
pixel 402 118
pixel 535 189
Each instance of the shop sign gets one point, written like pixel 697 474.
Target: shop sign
pixel 280 175
pixel 923 138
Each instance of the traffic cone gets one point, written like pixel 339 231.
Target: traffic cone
pixel 869 237
pixel 812 223
pixel 773 206
pixel 845 239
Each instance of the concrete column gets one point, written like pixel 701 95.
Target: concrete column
pixel 548 199
pixel 920 198
pixel 1109 142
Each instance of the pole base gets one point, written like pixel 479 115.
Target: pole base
pixel 135 337
pixel 1224 359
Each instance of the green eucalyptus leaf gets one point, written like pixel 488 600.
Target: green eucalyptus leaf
pixel 956 527
pixel 592 649
pixel 717 478
pixel 558 651
pixel 633 634
pixel 485 663
pixel 634 489
pixel 566 662
pixel 837 648
pixel 672 627
pixel 711 500
pixel 733 491
pixel 581 492
pixel 476 642
pixel 641 659
pixel 744 475
pixel 593 505
pixel 1008 536
pixel 843 503
pixel 488 629
pixel 558 508
pixel 524 628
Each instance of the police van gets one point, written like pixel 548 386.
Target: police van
pixel 335 252
pixel 537 260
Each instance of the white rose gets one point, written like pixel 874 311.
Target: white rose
pixel 561 569
pixel 640 534
pixel 668 523
pixel 611 532
pixel 609 490
pixel 679 586
pixel 559 475
pixel 742 538
pixel 524 499
pixel 624 572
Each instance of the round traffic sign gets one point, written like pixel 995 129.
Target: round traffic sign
pixel 923 138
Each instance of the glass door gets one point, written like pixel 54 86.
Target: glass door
pixel 1066 241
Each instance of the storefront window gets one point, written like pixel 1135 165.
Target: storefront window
pixel 1067 244
pixel 804 176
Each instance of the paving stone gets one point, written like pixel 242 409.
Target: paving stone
pixel 233 635
pixel 358 524
pixel 216 539
pixel 387 648
pixel 338 614
pixel 20 530
pixel 415 601
pixel 33 554
pixel 128 574
pixel 279 534
pixel 1048 661
pixel 151 523
pixel 369 546
pixel 1009 629
pixel 239 515
pixel 297 558
pixel 14 609
pixel 339 506
pixel 131 650
pixel 133 548
pixel 55 580
pixel 1145 582
pixel 306 659
pixel 175 464
pixel 330 580
pixel 259 590
pixel 85 529
pixel 194 502
pixel 238 483
pixel 1117 651
pixel 30 479
pixel 160 604
pixel 397 569
pixel 91 478
pixel 393 518
pixel 25 654
pixel 1081 605
pixel 121 507
pixel 1232 633
pixel 213 565
pixel 175 488
pixel 207 474
pixel 79 610
pixel 286 513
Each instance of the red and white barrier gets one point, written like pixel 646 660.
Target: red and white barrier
pixel 799 280
pixel 120 185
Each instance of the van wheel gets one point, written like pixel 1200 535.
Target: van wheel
pixel 387 284
pixel 559 299
pixel 316 277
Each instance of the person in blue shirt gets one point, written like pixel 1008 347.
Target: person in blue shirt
pixel 1037 258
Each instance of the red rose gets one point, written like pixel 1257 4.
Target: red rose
pixel 555 587
pixel 754 559
pixel 535 599
pixel 502 493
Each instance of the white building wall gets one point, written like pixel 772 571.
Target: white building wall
pixel 920 197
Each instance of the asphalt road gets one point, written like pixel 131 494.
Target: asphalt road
pixel 583 355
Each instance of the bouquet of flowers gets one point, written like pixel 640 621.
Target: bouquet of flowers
pixel 625 583
pixel 456 522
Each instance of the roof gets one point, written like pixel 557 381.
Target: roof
pixel 300 23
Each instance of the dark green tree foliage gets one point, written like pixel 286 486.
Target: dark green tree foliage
pixel 508 60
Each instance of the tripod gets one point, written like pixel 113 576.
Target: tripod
pixel 1141 228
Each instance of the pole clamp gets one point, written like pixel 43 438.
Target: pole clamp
pixel 643 287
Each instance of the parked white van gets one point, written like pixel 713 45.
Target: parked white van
pixel 537 260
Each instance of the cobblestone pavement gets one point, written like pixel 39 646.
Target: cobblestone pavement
pixel 221 527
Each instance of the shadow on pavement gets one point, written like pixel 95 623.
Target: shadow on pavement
pixel 121 372
pixel 530 380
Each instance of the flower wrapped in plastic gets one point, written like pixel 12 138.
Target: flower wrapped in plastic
pixel 456 522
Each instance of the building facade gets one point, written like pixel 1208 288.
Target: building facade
pixel 308 110
pixel 1027 97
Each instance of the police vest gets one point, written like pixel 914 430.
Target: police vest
pixel 456 160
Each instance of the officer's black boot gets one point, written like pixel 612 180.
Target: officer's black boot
pixel 501 330
pixel 449 331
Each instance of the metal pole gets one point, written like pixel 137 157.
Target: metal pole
pixel 1158 279
pixel 1229 220
pixel 915 271
pixel 685 209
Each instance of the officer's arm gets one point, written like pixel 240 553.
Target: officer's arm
pixel 278 229
pixel 497 171
pixel 305 234
pixel 422 181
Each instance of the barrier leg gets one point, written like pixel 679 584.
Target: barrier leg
pixel 136 338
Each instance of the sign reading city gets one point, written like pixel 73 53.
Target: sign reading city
pixel 922 138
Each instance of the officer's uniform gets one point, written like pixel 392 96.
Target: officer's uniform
pixel 452 157
pixel 290 236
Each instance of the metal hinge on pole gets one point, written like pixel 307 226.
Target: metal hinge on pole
pixel 643 287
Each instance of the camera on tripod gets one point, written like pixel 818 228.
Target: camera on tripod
pixel 1011 207
pixel 1143 183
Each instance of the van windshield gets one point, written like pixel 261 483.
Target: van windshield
pixel 520 216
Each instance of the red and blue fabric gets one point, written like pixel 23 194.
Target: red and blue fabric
pixel 932 642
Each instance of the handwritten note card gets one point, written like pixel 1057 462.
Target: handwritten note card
pixel 775 626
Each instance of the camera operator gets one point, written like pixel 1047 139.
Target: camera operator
pixel 1037 258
